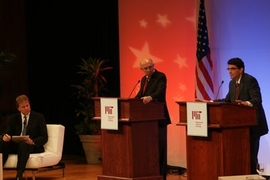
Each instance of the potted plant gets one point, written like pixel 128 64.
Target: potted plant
pixel 6 60
pixel 93 84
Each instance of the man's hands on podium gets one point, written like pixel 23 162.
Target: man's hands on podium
pixel 146 99
pixel 202 100
pixel 239 102
pixel 244 103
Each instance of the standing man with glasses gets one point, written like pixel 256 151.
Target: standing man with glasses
pixel 244 90
pixel 35 128
pixel 153 88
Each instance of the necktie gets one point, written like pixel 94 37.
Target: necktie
pixel 237 91
pixel 24 126
pixel 146 83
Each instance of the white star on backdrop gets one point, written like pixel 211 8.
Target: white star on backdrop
pixel 182 87
pixel 163 20
pixel 192 19
pixel 143 23
pixel 179 96
pixel 143 53
pixel 181 61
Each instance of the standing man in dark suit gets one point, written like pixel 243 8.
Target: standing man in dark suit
pixel 247 93
pixel 153 88
pixel 35 128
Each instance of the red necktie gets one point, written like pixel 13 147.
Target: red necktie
pixel 146 83
pixel 237 91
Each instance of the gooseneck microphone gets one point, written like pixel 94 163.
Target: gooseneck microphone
pixel 219 89
pixel 134 88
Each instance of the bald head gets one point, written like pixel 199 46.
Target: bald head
pixel 146 61
pixel 147 66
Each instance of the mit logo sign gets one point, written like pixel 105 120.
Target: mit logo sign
pixel 196 115
pixel 108 109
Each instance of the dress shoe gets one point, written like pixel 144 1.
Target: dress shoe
pixel 19 178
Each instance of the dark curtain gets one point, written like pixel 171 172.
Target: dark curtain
pixel 57 35
pixel 12 40
pixel 13 78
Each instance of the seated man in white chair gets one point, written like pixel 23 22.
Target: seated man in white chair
pixel 24 123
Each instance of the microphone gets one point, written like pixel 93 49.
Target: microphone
pixel 219 88
pixel 134 88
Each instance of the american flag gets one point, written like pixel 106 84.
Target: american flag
pixel 204 81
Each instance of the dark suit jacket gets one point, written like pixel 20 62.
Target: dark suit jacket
pixel 156 88
pixel 36 128
pixel 249 90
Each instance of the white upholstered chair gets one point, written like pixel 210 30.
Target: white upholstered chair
pixel 241 177
pixel 49 159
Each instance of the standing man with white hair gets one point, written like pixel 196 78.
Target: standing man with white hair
pixel 153 88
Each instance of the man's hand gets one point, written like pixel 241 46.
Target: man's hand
pixel 244 103
pixel 146 99
pixel 27 140
pixel 6 138
pixel 201 100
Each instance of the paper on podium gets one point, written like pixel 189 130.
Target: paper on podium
pixel 19 138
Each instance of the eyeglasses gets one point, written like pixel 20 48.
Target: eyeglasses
pixel 146 68
pixel 233 68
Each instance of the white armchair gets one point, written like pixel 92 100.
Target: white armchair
pixel 49 159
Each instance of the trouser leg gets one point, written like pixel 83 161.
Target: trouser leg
pixel 23 152
pixel 7 148
pixel 163 151
pixel 254 149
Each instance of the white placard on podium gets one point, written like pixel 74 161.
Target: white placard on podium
pixel 197 119
pixel 109 113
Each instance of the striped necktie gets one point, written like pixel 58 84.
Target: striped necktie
pixel 146 83
pixel 24 126
pixel 237 91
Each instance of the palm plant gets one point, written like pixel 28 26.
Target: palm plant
pixel 6 60
pixel 93 84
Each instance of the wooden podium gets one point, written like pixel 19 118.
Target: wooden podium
pixel 226 150
pixel 131 152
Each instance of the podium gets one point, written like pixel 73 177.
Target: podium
pixel 226 149
pixel 131 152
